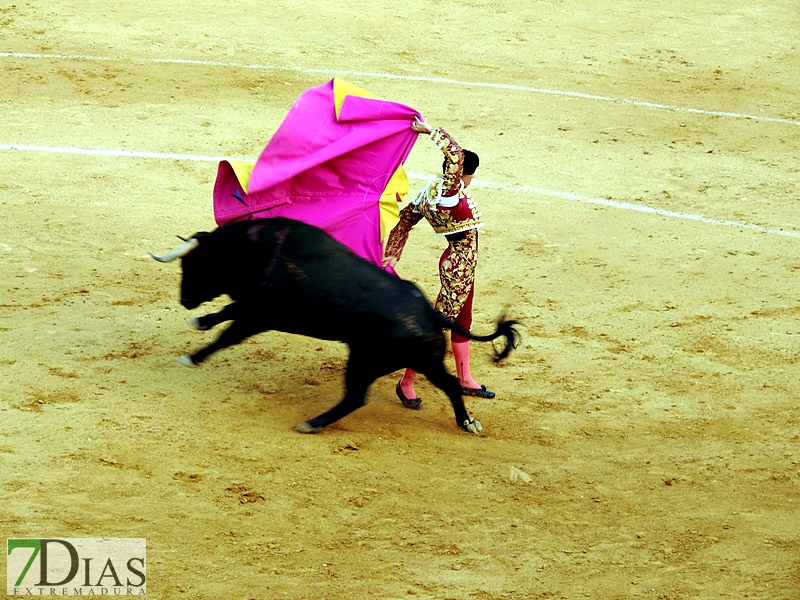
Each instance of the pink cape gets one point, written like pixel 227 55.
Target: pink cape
pixel 323 169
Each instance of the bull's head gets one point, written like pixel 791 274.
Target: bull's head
pixel 198 283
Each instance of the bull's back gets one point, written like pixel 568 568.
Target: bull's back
pixel 329 289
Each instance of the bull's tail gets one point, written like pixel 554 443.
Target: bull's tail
pixel 505 328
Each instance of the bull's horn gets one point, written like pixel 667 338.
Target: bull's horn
pixel 179 252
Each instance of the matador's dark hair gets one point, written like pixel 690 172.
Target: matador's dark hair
pixel 471 163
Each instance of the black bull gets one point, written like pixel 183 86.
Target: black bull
pixel 284 275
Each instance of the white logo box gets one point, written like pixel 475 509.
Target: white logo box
pixel 76 566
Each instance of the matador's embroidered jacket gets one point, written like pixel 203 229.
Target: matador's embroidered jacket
pixel 450 210
pixel 443 202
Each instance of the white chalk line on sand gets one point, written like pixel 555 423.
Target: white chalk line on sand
pixel 522 189
pixel 438 80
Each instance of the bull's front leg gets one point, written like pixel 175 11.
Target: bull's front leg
pixel 206 322
pixel 236 332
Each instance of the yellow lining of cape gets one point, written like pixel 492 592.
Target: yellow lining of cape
pixel 389 205
pixel 342 88
pixel 242 170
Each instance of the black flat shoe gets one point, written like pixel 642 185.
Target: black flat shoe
pixel 480 392
pixel 412 403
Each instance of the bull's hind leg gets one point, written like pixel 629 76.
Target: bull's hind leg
pixel 362 370
pixel 450 385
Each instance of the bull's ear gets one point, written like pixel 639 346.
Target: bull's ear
pixel 196 236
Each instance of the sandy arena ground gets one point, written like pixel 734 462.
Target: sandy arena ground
pixel 653 403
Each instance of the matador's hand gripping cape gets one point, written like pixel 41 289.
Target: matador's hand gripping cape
pixel 335 163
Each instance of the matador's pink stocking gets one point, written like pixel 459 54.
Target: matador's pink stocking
pixel 407 383
pixel 461 354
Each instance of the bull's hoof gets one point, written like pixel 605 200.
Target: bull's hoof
pixel 194 323
pixel 307 427
pixel 412 403
pixel 186 361
pixel 472 426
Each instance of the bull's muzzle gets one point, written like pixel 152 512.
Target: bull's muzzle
pixel 179 252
